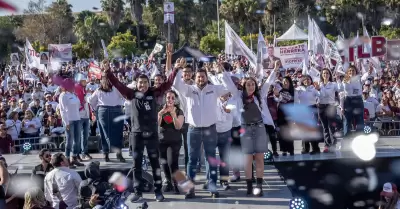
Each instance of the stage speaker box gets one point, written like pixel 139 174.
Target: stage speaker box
pixel 94 144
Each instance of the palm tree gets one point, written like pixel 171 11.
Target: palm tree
pixel 114 10
pixel 91 31
pixel 137 14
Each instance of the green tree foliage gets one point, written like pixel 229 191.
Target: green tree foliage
pixel 6 36
pixel 390 32
pixel 91 31
pixel 330 37
pixel 48 25
pixel 210 44
pixel 81 50
pixel 114 10
pixel 122 44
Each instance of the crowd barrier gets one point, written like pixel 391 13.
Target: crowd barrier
pixel 53 143
pixel 57 143
pixel 385 128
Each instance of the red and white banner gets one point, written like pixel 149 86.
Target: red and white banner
pixel 32 57
pixel 60 52
pixel 94 71
pixel 291 56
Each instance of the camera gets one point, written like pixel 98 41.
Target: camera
pixel 115 200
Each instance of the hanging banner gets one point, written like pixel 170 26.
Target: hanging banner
pixel 290 56
pixel 393 49
pixel 60 52
pixel 32 57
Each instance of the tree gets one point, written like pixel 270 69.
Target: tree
pixel 122 44
pixel 81 50
pixel 114 10
pixel 390 32
pixel 61 20
pixel 136 10
pixel 35 24
pixel 210 44
pixel 91 31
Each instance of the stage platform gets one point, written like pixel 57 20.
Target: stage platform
pixel 385 147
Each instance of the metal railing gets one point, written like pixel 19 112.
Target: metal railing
pixel 385 128
pixel 53 143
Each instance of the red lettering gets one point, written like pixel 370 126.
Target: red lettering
pixel 378 45
pixel 361 54
pixel 351 54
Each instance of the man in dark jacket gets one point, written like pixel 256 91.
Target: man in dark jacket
pixel 93 187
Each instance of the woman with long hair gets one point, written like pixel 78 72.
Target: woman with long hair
pixel 30 124
pixel 284 95
pixel 170 120
pixel 108 102
pixel 352 103
pixel 254 141
pixel 389 197
pixel 327 108
pixel 69 110
pixel 307 94
pixel 34 199
pixel 13 125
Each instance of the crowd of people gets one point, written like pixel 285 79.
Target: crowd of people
pixel 224 105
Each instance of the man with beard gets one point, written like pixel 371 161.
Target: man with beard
pixel 44 167
pixel 144 126
pixel 201 99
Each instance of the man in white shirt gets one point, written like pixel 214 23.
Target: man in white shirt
pixel 201 99
pixel 63 180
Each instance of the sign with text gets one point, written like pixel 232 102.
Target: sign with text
pixel 290 56
pixel 60 52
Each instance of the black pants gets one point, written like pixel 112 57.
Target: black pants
pixel 141 140
pixel 307 142
pixel 235 145
pixel 272 137
pixel 286 145
pixel 184 131
pixel 170 162
pixel 327 116
pixel 93 127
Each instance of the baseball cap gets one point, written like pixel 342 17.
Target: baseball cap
pixel 387 189
pixel 367 82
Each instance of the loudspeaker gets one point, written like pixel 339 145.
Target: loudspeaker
pixel 94 144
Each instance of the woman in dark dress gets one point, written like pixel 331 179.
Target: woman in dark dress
pixel 170 120
pixel 284 95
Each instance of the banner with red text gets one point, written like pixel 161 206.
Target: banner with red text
pixel 32 57
pixel 291 56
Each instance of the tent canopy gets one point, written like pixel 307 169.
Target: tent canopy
pixel 293 33
pixel 187 52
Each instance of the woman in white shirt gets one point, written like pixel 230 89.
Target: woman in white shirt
pixel 108 102
pixel 69 109
pixel 306 94
pixel 30 125
pixel 13 125
pixel 353 105
pixel 327 108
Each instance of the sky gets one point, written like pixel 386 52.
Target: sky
pixel 77 5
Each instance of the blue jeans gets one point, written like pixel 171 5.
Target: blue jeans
pixel 224 146
pixel 84 135
pixel 72 138
pixel 110 130
pixel 353 111
pixel 207 135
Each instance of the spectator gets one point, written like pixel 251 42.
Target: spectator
pixel 34 199
pixel 63 180
pixel 4 178
pixel 13 125
pixel 389 197
pixel 44 167
pixel 6 142
pixel 30 125
pixel 36 106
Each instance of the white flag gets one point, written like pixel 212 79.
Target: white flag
pixel 235 45
pixel 262 54
pixel 32 57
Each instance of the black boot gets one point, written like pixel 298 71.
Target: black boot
pixel 176 189
pixel 260 182
pixel 106 158
pixel 249 186
pixel 120 158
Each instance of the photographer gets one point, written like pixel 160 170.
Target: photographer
pixel 93 187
